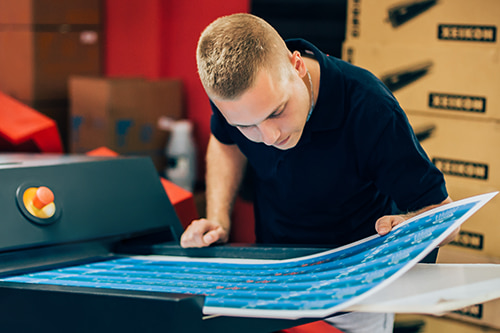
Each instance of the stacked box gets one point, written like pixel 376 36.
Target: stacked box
pixel 471 165
pixel 436 56
pixel 42 43
pixel 434 324
pixel 424 22
pixel 122 114
pixel 441 60
pixel 439 80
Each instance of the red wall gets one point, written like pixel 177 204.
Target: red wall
pixel 132 34
pixel 157 39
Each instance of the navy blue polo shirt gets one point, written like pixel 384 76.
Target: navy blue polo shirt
pixel 357 160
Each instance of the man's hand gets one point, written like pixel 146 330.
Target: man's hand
pixel 225 166
pixel 386 223
pixel 202 233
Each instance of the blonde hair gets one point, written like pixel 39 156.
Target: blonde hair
pixel 232 49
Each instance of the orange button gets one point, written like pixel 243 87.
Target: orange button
pixel 43 197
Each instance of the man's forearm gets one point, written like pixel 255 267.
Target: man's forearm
pixel 225 165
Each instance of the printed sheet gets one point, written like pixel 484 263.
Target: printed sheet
pixel 318 285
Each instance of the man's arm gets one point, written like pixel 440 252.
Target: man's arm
pixel 225 166
pixel 386 223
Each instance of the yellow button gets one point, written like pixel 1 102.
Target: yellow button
pixel 39 201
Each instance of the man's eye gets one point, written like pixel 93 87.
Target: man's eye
pixel 245 127
pixel 277 114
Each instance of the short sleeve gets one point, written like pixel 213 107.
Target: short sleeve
pixel 396 162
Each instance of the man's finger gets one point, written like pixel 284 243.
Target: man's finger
pixel 383 225
pixel 193 235
pixel 386 223
pixel 211 237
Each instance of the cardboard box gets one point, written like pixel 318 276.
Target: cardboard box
pixel 480 314
pixel 467 153
pixel 481 232
pixel 36 65
pixel 50 11
pixel 122 114
pixel 437 79
pixel 433 324
pixel 453 255
pixel 43 42
pixel 424 22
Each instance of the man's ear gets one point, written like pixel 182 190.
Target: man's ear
pixel 298 63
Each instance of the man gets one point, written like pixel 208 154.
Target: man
pixel 334 156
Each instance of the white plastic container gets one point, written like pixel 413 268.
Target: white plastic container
pixel 181 153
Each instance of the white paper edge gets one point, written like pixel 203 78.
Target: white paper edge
pixel 296 314
pixel 425 303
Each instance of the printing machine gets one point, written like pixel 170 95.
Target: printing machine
pixel 100 207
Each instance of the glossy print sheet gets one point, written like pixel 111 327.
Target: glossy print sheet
pixel 313 286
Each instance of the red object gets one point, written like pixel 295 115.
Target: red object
pixel 23 129
pixel 102 151
pixel 182 200
pixel 43 196
pixel 315 327
pixel 243 222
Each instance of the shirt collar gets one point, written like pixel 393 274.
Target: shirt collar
pixel 329 111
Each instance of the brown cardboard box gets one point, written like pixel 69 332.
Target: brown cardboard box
pixel 36 65
pixel 432 324
pixel 122 114
pixel 424 22
pixel 50 11
pixel 482 314
pixel 454 255
pixel 42 43
pixel 466 152
pixel 450 80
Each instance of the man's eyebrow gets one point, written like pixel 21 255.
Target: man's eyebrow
pixel 277 109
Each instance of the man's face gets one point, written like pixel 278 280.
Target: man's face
pixel 272 111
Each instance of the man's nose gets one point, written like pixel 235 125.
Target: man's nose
pixel 269 132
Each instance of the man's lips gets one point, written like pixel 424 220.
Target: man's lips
pixel 283 142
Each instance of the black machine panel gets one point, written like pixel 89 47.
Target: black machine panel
pixel 94 198
pixel 60 211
